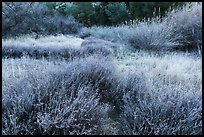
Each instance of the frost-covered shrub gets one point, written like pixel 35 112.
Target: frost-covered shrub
pixel 151 36
pixel 98 46
pixel 72 100
pixel 133 84
pixel 42 110
pixel 96 49
pixel 96 71
pixel 20 18
pixel 69 52
pixel 181 29
pixel 66 49
pixel 186 26
pixel 168 111
pixel 95 41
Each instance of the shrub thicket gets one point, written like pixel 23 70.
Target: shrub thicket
pixel 65 101
pixel 180 29
pixel 87 96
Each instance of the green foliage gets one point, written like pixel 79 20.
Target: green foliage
pixel 114 13
pixel 62 8
pixel 117 12
pixel 84 12
pixel 51 6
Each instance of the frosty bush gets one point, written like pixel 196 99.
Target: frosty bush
pixel 151 36
pixel 43 110
pixel 179 30
pixel 98 46
pixel 186 26
pixel 94 40
pixel 20 18
pixel 97 72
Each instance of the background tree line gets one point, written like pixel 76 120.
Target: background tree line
pixel 111 13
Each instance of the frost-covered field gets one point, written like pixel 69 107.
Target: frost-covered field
pixel 136 93
pixel 104 85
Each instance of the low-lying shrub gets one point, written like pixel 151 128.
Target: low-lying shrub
pixel 98 46
pixel 17 51
pixel 41 110
pixel 96 49
pixel 97 41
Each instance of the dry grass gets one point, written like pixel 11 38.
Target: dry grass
pixel 176 71
pixel 45 41
pixel 173 67
pixel 61 46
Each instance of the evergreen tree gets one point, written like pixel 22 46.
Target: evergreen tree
pixel 111 13
pixel 117 12
pixel 84 12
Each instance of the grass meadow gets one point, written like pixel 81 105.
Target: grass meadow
pixel 136 79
